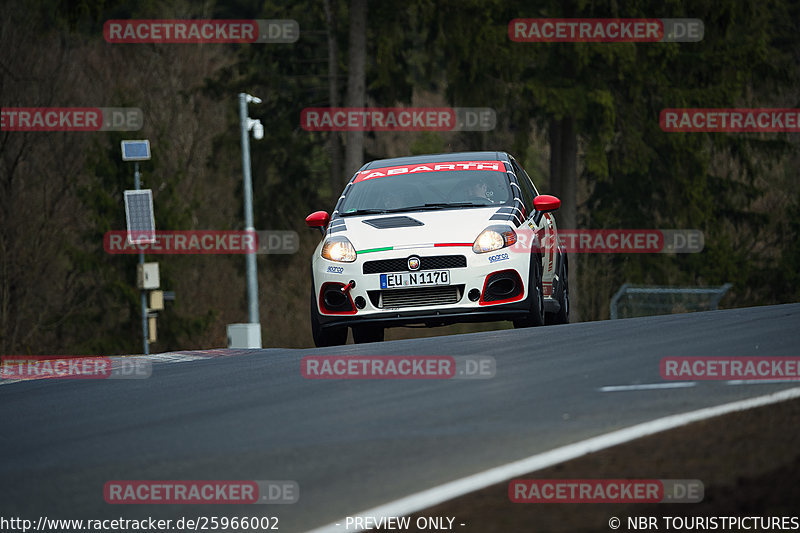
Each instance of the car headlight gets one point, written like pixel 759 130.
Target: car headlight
pixel 339 249
pixel 493 238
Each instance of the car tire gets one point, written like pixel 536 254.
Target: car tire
pixel 324 336
pixel 362 334
pixel 562 317
pixel 536 316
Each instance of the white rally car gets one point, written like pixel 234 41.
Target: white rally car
pixel 433 240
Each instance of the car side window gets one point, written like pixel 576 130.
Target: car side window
pixel 528 190
pixel 529 181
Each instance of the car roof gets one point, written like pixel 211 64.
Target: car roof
pixel 437 158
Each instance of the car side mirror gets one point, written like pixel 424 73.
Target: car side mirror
pixel 318 219
pixel 544 203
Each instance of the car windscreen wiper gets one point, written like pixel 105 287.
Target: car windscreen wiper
pixel 435 205
pixel 445 205
pixel 364 212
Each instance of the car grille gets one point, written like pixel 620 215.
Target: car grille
pixel 426 263
pixel 417 297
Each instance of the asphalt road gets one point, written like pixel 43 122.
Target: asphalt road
pixel 355 444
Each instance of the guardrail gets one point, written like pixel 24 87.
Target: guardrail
pixel 715 293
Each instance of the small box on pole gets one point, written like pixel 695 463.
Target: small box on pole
pixel 147 276
pixel 156 301
pixel 152 335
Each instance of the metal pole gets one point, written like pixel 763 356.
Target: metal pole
pixel 722 291
pixel 141 262
pixel 615 300
pixel 252 280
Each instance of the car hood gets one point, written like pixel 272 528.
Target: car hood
pixel 445 226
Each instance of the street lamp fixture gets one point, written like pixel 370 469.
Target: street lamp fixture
pixel 248 335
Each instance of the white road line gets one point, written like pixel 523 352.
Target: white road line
pixel 648 386
pixel 758 381
pixel 448 491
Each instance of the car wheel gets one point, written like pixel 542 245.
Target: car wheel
pixel 562 317
pixel 536 316
pixel 362 334
pixel 324 336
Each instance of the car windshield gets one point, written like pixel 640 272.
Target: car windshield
pixel 427 190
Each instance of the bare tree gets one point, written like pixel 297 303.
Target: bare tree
pixel 334 140
pixel 356 88
pixel 563 169
pixel 59 291
pixel 564 184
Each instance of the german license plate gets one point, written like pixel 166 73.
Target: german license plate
pixel 415 279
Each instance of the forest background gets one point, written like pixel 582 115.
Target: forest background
pixel 582 118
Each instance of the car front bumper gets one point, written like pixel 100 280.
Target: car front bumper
pixel 432 306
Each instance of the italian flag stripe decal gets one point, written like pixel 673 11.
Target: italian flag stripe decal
pixel 407 247
pixel 370 250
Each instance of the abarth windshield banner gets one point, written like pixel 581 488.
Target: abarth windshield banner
pixel 497 166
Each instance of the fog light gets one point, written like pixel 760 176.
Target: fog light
pixel 474 295
pixel 360 302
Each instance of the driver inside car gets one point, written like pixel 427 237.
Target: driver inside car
pixel 480 191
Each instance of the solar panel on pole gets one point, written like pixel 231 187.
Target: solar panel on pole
pixel 135 150
pixel 140 217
